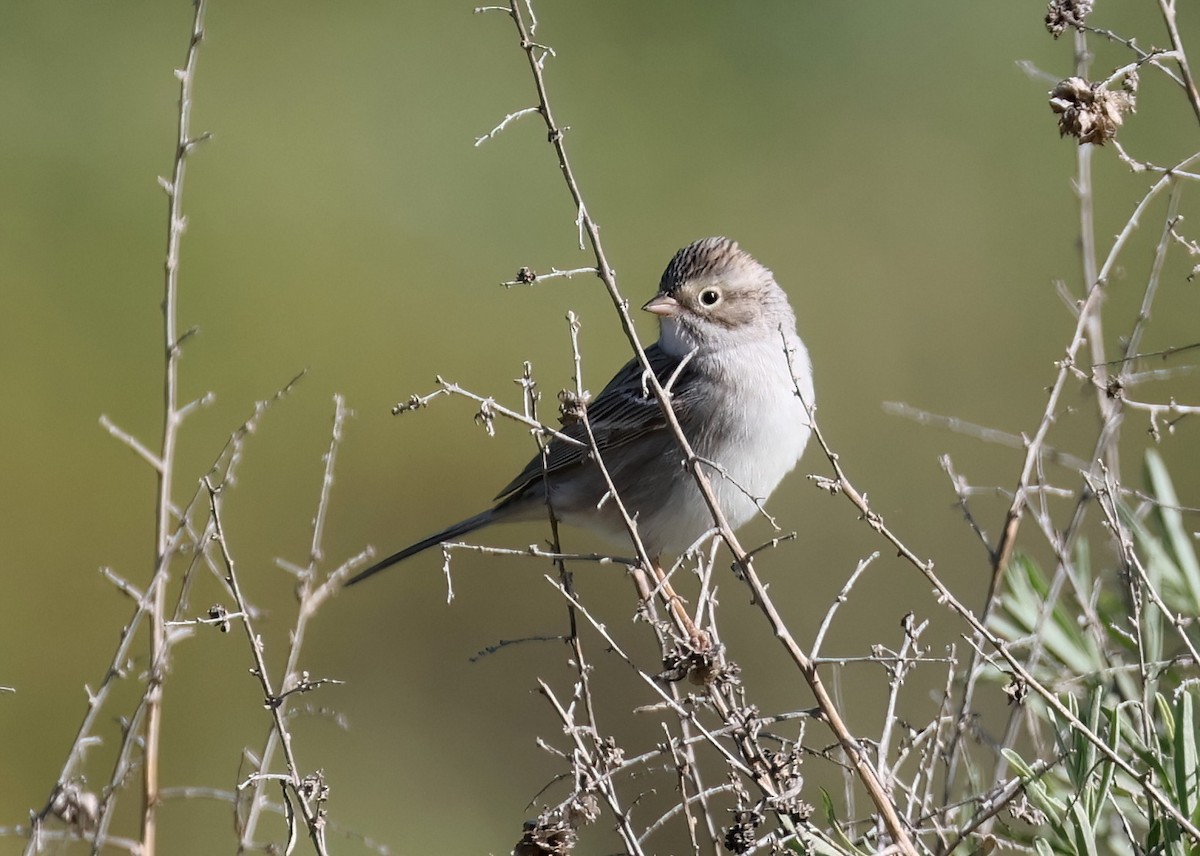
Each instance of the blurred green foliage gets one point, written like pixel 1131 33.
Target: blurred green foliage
pixel 1136 670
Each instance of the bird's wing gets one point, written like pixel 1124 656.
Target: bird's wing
pixel 623 411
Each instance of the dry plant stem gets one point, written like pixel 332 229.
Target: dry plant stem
pixel 683 763
pixel 1151 57
pixel 582 669
pixel 1087 220
pixel 683 621
pixel 312 595
pixel 1167 7
pixel 1134 339
pixel 904 663
pixel 1110 408
pixel 1090 326
pixel 487 408
pixel 987 435
pixel 934 748
pixel 66 837
pixel 136 445
pixel 1065 367
pixel 533 279
pixel 854 751
pixel 596 772
pixel 98 698
pixel 1106 494
pixel 538 553
pixel 166 457
pixel 754 766
pixel 993 805
pixel 586 772
pixel 708 735
pixel 314 822
pixel 842 485
pixel 662 750
pixel 1063 541
pixel 842 597
pixel 96 701
pixel 695 635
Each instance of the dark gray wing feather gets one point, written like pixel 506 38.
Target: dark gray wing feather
pixel 620 414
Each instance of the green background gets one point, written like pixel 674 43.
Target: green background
pixel 890 162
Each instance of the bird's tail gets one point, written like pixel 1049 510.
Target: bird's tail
pixel 447 534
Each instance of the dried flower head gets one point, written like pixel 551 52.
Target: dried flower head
pixel 1088 111
pixel 740 837
pixel 1016 689
pixel 219 616
pixel 584 809
pixel 1061 14
pixel 700 667
pixel 556 839
pixel 552 834
pixel 1022 810
pixel 78 808
pixel 572 407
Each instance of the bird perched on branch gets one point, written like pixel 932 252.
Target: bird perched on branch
pixel 740 385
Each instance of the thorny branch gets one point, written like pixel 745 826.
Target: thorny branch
pixel 310 792
pixel 536 55
pixel 172 418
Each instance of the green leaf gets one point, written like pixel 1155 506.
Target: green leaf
pixel 1085 838
pixel 1107 767
pixel 815 844
pixel 1036 789
pixel 1171 519
pixel 835 826
pixel 1167 715
pixel 1185 754
pixel 1061 636
pixel 1083 758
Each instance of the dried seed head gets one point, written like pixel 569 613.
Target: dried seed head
pixel 78 808
pixel 1061 14
pixel 550 835
pixel 572 407
pixel 219 616
pixel 701 668
pixel 740 837
pixel 1022 810
pixel 1088 111
pixel 1016 689
pixel 486 417
pixel 415 402
pixel 583 809
pixel 313 787
pixel 554 832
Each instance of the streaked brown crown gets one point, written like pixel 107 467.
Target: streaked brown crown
pixel 708 258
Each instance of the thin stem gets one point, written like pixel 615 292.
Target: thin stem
pixel 850 745
pixel 314 818
pixel 311 596
pixel 1167 7
pixel 171 421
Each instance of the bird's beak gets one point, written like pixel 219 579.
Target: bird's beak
pixel 663 305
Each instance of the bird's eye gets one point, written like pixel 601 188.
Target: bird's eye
pixel 710 296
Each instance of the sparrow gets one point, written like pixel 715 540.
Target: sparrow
pixel 741 388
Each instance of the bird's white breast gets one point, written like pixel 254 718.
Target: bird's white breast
pixel 764 424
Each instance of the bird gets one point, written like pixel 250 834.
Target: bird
pixel 741 388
